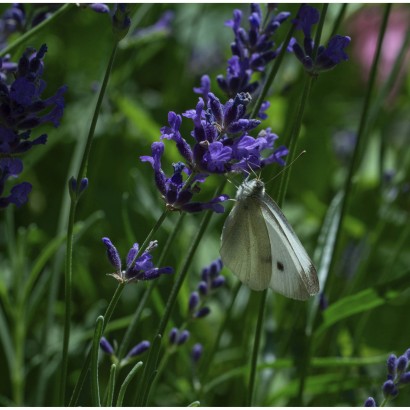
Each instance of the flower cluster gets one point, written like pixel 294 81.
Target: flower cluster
pixel 12 20
pixel 252 50
pixel 138 267
pixel 221 140
pixel 326 58
pixel 221 145
pixel 398 375
pixel 211 279
pixel 21 110
pixel 137 350
pixel 16 19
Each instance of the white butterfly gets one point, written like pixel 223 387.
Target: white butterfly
pixel 261 248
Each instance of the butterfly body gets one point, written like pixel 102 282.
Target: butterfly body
pixel 261 248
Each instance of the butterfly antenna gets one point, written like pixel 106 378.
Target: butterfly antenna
pixel 286 167
pixel 233 183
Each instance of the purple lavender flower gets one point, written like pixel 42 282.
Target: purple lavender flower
pixel 173 334
pixel 397 377
pixel 99 8
pixel 21 106
pixel 138 349
pixel 121 20
pixel 204 311
pixel 11 168
pixel 182 337
pixel 12 20
pixel 106 346
pixel 193 301
pixel 138 268
pixel 326 57
pixel 21 110
pixel 196 352
pixel 252 50
pixel 370 402
pixel 163 25
pixel 177 193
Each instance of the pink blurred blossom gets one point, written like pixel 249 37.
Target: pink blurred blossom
pixel 364 27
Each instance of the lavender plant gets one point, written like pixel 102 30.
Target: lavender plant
pixel 279 81
pixel 22 109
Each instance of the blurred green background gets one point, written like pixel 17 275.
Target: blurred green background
pixel 154 74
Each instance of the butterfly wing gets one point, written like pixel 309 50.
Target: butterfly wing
pixel 293 273
pixel 245 246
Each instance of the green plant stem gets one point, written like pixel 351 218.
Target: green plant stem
pixel 131 329
pixel 206 364
pixel 126 382
pixel 339 19
pixel 111 386
pixel 87 361
pixel 95 389
pixel 26 36
pixel 255 350
pixel 147 379
pixel 354 164
pixel 17 375
pixel 71 220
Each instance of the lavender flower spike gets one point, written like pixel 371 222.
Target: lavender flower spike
pixel 327 57
pixel 138 268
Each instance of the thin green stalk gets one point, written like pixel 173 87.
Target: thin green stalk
pixel 17 374
pixel 339 19
pixel 26 36
pixel 361 135
pixel 87 360
pixel 147 379
pixel 71 220
pixel 255 350
pixel 111 386
pixel 293 138
pixel 129 334
pixel 95 389
pixel 210 356
pixel 126 382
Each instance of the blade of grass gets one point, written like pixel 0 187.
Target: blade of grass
pixel 95 389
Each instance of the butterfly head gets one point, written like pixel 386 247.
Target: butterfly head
pixel 252 188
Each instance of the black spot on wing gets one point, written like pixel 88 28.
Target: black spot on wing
pixel 280 266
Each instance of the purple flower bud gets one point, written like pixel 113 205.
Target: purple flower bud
pixel 218 282
pixel 407 354
pixel 205 311
pixel 402 363
pixel 405 378
pixel 139 349
pixel 106 346
pixel 370 402
pixel 389 389
pixel 113 255
pixel 193 301
pixel 203 287
pixel 183 337
pixel 196 352
pixel 83 185
pixel 391 365
pixel 172 337
pixel 99 7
